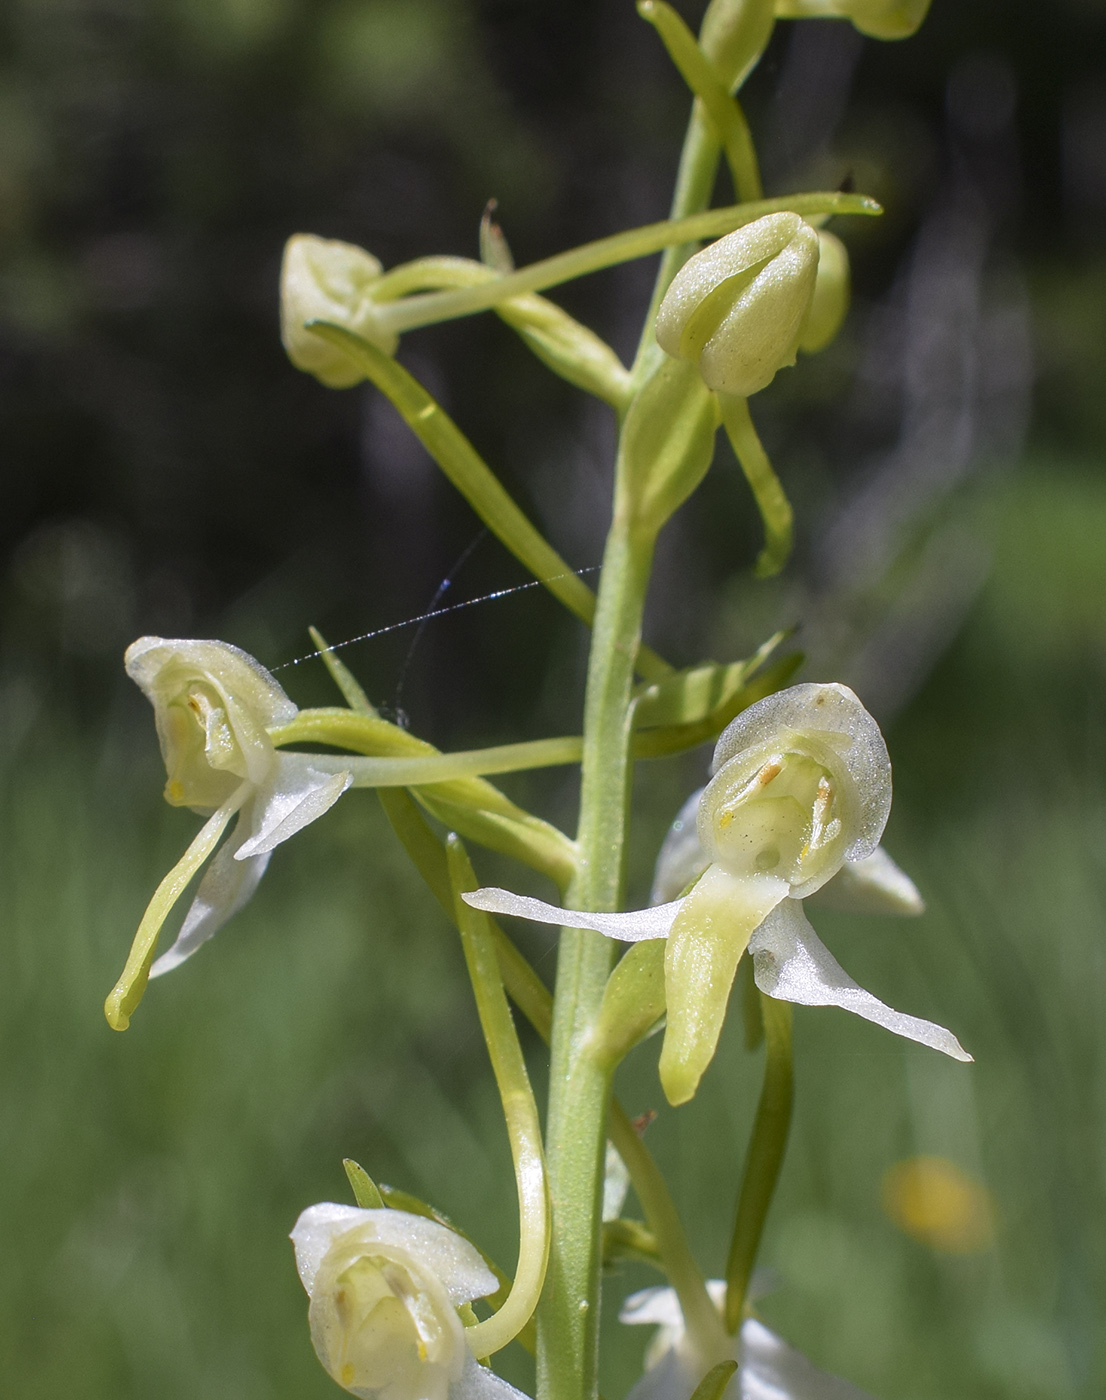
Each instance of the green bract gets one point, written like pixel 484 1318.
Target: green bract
pixel 737 308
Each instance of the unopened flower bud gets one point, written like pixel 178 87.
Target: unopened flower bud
pixel 830 301
pixel 736 309
pixel 880 19
pixel 324 280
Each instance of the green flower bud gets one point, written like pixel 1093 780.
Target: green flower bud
pixel 324 280
pixel 879 19
pixel 733 36
pixel 830 301
pixel 736 309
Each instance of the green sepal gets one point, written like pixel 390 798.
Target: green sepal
pixel 669 739
pixel 714 1383
pixel 365 1191
pixel 629 1240
pixel 689 696
pixel 633 1002
pixel 568 348
pixel 667 444
pixel 342 676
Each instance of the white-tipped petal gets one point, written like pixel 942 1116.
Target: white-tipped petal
pixel 773 1370
pixel 458 1264
pixel 228 884
pixel 769 1369
pixel 682 857
pixel 296 795
pixel 873 885
pixel 480 1383
pixel 791 963
pixel 633 926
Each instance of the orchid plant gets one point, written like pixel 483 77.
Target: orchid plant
pixel 403 1305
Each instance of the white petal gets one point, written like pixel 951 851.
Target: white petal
pixel 227 885
pixel 682 857
pixel 656 1307
pixel 673 1377
pixel 873 885
pixel 458 1264
pixel 791 963
pixel 772 1370
pixel 296 795
pixel 479 1383
pixel 633 926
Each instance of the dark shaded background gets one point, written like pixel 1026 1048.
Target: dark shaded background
pixel 164 469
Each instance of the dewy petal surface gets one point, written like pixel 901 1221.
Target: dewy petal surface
pixel 480 1383
pixel 630 927
pixel 228 884
pixel 791 963
pixel 458 1264
pixel 295 795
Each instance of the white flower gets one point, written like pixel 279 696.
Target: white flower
pixel 385 1287
pixel 322 279
pixel 768 1369
pixel 801 788
pixel 213 705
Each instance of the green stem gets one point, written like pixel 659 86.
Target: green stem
pixel 432 307
pixel 568 1315
pixel 704 1326
pixel 765 1157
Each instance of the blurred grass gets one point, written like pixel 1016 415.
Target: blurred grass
pixel 150 1178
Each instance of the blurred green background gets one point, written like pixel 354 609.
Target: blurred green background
pixel 165 470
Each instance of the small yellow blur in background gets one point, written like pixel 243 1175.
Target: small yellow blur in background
pixel 940 1205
